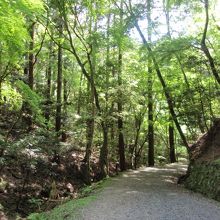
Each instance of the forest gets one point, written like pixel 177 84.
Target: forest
pixel 91 88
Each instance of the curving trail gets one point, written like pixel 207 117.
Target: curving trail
pixel 150 194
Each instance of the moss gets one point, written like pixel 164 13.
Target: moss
pixel 217 162
pixel 205 178
pixel 69 210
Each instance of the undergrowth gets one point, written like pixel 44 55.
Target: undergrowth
pixel 70 210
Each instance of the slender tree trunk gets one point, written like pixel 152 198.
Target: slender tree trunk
pixel 0 74
pixel 65 101
pixel 59 83
pixel 150 93
pixel 121 144
pixel 65 98
pixel 30 71
pixel 134 159
pixel 31 57
pixel 89 132
pixel 172 153
pixel 80 95
pixel 91 107
pixel 103 159
pixel 48 87
pixel 171 142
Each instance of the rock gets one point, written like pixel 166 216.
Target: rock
pixel 70 187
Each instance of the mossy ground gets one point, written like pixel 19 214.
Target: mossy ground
pixel 70 209
pixel 205 178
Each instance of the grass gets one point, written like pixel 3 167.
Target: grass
pixel 70 209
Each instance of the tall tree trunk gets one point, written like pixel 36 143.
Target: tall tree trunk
pixel 90 123
pixel 121 144
pixel 103 159
pixel 172 153
pixel 30 71
pixel 150 93
pixel 91 107
pixel 48 86
pixel 59 83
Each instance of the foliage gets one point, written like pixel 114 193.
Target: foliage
pixel 12 23
pixel 13 98
pixel 32 99
pixel 40 142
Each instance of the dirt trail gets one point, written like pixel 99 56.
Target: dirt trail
pixel 150 194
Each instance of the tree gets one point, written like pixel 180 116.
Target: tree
pixel 121 144
pixel 59 80
pixel 163 83
pixel 204 46
pixel 150 93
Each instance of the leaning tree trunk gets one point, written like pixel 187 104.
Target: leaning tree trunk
pixel 165 88
pixel 166 4
pixel 204 46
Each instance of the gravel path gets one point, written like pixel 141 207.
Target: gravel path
pixel 150 194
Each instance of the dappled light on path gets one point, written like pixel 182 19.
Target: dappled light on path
pixel 150 193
